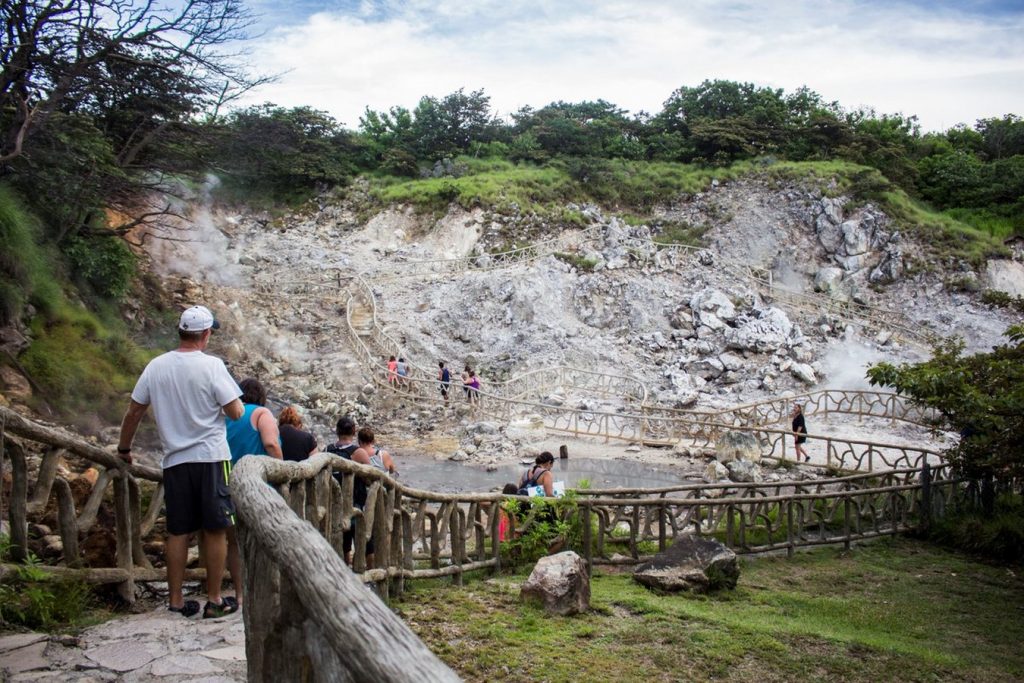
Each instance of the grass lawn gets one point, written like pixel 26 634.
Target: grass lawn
pixel 890 610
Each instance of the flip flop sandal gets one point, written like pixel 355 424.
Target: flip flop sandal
pixel 188 609
pixel 228 605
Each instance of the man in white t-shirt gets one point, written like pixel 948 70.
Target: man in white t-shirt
pixel 190 393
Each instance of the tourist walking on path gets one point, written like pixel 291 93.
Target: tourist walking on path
pixel 444 376
pixel 402 368
pixel 347 448
pixel 189 392
pixel 255 432
pixel 392 371
pixel 296 444
pixel 799 432
pixel 472 383
pixel 465 382
pixel 377 456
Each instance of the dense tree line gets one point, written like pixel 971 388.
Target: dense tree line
pixel 716 122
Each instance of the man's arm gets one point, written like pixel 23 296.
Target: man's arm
pixel 270 435
pixel 234 410
pixel 129 425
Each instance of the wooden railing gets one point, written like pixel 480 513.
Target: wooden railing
pixel 307 608
pixel 130 485
pixel 306 611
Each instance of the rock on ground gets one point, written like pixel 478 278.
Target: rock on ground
pixel 560 583
pixel 691 564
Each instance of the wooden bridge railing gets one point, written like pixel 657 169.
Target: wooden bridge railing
pixel 129 486
pixel 306 611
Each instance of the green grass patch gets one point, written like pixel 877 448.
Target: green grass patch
pixel 82 364
pixel 891 610
pixel 580 263
pixel 998 226
pixel 26 271
pixel 633 187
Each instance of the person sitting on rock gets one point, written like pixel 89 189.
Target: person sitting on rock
pixel 539 475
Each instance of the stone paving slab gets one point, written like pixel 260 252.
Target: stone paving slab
pixel 155 646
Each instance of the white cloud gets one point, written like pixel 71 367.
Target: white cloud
pixel 946 67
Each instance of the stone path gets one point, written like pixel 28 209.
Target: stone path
pixel 155 646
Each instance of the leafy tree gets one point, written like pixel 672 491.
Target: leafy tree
pixel 952 179
pixel 282 151
pixel 1002 137
pixel 981 395
pixel 109 80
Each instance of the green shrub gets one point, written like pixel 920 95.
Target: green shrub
pixel 26 273
pixel 998 537
pixel 580 263
pixel 105 264
pixel 995 298
pixel 31 598
pixel 79 363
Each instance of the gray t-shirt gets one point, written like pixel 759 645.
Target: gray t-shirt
pixel 186 390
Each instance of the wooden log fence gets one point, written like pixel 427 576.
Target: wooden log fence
pixel 304 600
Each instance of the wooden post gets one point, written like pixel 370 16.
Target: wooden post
pixel 790 541
pixel 662 533
pixel 123 532
pixel 925 521
pixel 846 522
pixel 18 502
pixel 730 538
pixel 135 506
pixel 44 482
pixel 495 535
pixel 67 523
pixel 588 545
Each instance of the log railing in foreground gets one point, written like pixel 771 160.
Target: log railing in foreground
pixel 307 616
pixel 130 485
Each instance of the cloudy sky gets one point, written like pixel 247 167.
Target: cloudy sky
pixel 948 62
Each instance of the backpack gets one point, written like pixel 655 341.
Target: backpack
pixel 359 486
pixel 524 490
pixel 446 376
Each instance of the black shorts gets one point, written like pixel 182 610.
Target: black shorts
pixel 197 497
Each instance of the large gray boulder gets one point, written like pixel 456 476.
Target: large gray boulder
pixel 744 472
pixel 711 309
pixel 691 564
pixel 768 330
pixel 560 583
pixel 737 446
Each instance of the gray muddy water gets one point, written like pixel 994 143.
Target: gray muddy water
pixel 445 476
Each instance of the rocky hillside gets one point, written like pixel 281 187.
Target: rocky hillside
pixel 696 330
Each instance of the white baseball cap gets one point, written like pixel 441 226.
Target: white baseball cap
pixel 197 319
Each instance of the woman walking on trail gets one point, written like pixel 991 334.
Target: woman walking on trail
pixel 465 382
pixel 799 432
pixel 392 371
pixel 296 444
pixel 445 378
pixel 473 394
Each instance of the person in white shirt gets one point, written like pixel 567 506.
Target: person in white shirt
pixel 190 393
